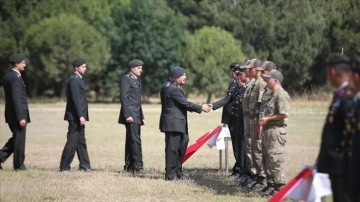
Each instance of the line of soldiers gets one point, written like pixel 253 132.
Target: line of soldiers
pixel 339 154
pixel 256 109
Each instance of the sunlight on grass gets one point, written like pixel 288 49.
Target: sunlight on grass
pixel 46 136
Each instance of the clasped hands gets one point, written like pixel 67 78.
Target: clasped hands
pixel 206 107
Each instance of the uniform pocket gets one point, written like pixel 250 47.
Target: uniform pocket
pixel 282 136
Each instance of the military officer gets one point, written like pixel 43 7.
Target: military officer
pixel 329 158
pixel 236 123
pixel 351 141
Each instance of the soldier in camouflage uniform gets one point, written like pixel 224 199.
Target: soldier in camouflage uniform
pixel 257 148
pixel 235 122
pixel 274 111
pixel 245 179
pixel 351 140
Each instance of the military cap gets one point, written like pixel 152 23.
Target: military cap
pixel 268 65
pixel 274 74
pixel 16 58
pixel 336 58
pixel 135 63
pixel 234 64
pixel 176 71
pixel 239 67
pixel 255 63
pixel 355 63
pixel 247 64
pixel 78 62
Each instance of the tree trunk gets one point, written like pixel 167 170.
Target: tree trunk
pixel 33 88
pixel 208 99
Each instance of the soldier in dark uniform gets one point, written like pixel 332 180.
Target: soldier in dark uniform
pixel 131 115
pixel 228 105
pixel 329 158
pixel 351 140
pixel 76 113
pixel 16 112
pixel 235 120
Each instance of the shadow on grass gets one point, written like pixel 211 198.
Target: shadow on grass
pixel 216 180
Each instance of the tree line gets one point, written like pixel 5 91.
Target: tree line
pixel 203 36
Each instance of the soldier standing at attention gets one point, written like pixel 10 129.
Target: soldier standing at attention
pixel 254 108
pixel 329 159
pixel 245 179
pixel 16 112
pixel 252 94
pixel 131 115
pixel 351 140
pixel 274 112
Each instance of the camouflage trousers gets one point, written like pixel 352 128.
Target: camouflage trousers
pixel 256 148
pixel 247 138
pixel 273 142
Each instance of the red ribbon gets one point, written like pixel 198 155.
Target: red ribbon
pixel 199 142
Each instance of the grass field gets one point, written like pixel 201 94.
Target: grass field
pixel 46 136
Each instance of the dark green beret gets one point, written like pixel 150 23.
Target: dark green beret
pixel 78 62
pixel 336 58
pixel 135 63
pixel 355 64
pixel 16 58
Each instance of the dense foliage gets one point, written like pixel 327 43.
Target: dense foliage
pixel 204 36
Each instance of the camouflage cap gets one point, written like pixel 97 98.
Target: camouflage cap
pixel 336 58
pixel 247 64
pixel 274 74
pixel 268 65
pixel 355 64
pixel 255 63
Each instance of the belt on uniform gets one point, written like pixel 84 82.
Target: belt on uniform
pixel 269 126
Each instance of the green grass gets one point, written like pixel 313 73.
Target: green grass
pixel 46 136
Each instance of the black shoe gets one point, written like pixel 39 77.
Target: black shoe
pixel 1 166
pixel 258 187
pixel 171 178
pixel 87 170
pixel 183 177
pixel 245 182
pixel 64 170
pixel 138 171
pixel 268 192
pixel 22 167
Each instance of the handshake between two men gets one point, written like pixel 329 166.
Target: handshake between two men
pixel 206 107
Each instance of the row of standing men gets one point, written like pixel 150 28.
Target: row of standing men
pixel 256 110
